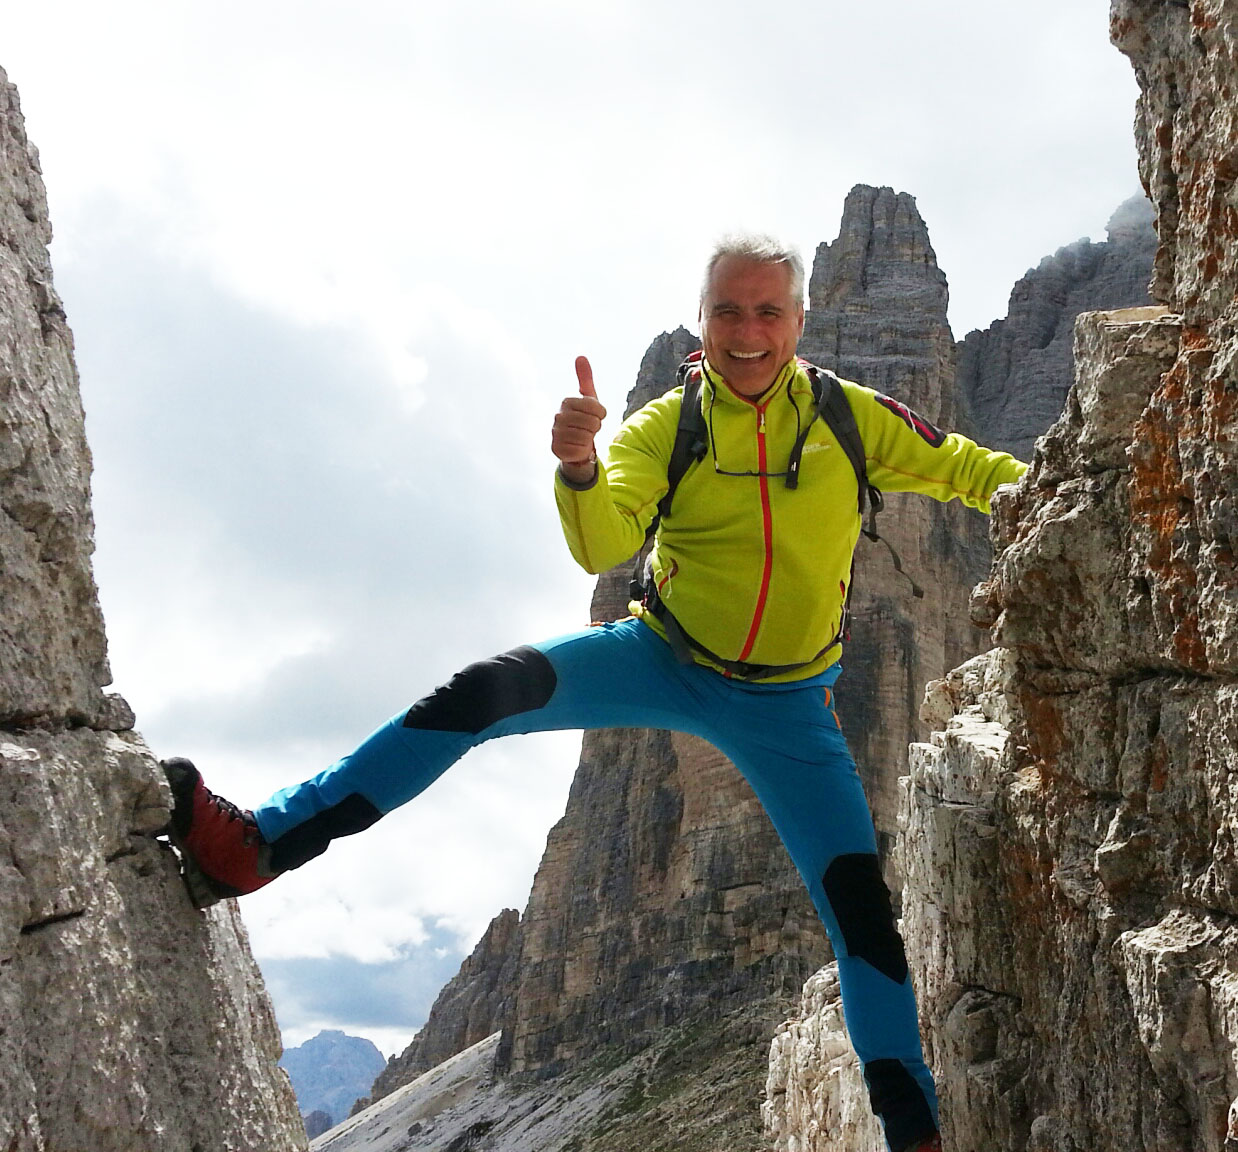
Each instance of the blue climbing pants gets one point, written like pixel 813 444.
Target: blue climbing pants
pixel 784 738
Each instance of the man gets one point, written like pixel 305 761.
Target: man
pixel 749 574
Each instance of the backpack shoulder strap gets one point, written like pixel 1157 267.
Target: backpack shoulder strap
pixel 691 440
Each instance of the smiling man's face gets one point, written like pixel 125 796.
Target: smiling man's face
pixel 750 322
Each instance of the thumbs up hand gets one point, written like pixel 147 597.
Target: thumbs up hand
pixel 577 422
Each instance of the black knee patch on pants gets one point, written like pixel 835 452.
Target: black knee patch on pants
pixel 861 903
pixel 484 693
pixel 352 814
pixel 899 1100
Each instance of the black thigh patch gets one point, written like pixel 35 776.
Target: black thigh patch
pixel 861 903
pixel 484 693
pixel 899 1100
pixel 351 815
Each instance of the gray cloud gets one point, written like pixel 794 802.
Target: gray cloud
pixel 357 997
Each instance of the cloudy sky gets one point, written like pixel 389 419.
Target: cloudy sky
pixel 328 264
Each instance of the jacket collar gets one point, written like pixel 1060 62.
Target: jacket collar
pixel 790 372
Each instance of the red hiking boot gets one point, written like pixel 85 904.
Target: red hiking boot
pixel 222 851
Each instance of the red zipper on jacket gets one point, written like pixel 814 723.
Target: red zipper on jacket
pixel 767 524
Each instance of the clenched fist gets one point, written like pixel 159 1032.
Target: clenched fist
pixel 577 422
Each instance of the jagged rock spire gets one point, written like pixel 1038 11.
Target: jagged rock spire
pixel 877 304
pixel 658 365
pixel 882 251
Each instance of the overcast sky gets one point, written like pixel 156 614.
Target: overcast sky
pixel 328 264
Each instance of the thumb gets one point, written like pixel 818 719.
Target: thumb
pixel 584 375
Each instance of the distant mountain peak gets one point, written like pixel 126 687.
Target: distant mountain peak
pixel 331 1071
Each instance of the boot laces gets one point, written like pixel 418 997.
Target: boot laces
pixel 232 812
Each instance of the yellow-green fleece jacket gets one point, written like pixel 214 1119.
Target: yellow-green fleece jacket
pixel 753 570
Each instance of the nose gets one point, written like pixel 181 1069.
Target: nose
pixel 748 328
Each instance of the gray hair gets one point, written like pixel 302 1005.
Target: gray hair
pixel 762 250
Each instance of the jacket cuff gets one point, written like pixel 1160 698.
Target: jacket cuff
pixel 578 487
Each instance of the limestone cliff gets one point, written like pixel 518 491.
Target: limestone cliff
pixel 128 1021
pixel 1069 844
pixel 1076 816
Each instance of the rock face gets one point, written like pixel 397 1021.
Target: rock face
pixel 815 1095
pixel 878 304
pixel 52 629
pixel 1076 815
pixel 330 1072
pixel 128 1021
pixel 1070 844
pixel 1014 376
pixel 1184 60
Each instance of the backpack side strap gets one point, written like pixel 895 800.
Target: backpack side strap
pixel 835 409
pixel 683 645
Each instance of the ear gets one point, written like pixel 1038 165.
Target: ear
pixel 801 319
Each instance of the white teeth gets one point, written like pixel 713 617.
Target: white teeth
pixel 746 355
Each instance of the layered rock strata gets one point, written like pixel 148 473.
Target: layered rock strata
pixel 128 1021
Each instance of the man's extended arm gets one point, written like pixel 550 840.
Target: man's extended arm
pixel 908 454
